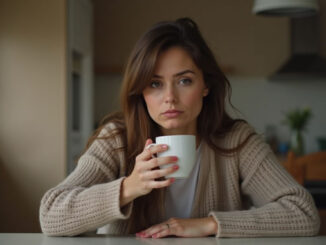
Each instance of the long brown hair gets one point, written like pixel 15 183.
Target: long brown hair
pixel 135 123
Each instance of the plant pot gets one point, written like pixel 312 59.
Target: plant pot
pixel 297 144
pixel 322 143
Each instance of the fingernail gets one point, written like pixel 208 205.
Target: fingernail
pixel 172 180
pixel 174 158
pixel 154 236
pixel 175 167
pixel 164 146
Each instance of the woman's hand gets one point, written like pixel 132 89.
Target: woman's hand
pixel 142 180
pixel 182 228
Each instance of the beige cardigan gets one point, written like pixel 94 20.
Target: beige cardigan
pixel 89 197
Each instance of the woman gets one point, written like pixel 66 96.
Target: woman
pixel 173 85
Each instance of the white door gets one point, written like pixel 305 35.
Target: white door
pixel 80 78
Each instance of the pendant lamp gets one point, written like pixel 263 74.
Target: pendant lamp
pixel 289 8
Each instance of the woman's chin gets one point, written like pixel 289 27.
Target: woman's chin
pixel 174 127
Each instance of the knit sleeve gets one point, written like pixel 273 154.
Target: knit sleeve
pixel 89 197
pixel 281 207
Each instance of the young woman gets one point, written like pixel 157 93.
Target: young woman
pixel 173 85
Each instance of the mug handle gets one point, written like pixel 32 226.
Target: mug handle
pixel 149 146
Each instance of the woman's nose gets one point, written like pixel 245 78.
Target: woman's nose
pixel 170 95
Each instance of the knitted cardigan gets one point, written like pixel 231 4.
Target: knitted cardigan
pixel 89 197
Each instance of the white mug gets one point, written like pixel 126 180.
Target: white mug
pixel 181 146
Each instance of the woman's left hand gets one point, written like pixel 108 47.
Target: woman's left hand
pixel 182 228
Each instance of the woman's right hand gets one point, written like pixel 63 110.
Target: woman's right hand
pixel 143 178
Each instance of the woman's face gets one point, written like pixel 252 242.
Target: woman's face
pixel 174 96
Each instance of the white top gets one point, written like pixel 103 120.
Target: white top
pixel 180 195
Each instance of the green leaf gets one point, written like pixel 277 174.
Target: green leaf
pixel 298 119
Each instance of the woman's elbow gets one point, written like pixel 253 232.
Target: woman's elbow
pixel 48 227
pixel 53 225
pixel 313 226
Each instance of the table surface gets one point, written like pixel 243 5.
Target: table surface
pixel 40 239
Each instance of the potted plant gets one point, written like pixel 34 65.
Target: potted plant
pixel 297 121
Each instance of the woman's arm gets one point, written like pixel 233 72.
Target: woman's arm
pixel 89 197
pixel 281 207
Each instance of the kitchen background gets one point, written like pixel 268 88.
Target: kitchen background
pixel 250 48
pixel 35 72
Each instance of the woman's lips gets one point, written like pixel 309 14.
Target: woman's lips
pixel 172 113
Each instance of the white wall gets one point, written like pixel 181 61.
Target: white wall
pixel 263 102
pixel 107 89
pixel 32 107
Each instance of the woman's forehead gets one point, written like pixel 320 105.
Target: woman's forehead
pixel 174 61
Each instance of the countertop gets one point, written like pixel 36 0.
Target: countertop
pixel 40 239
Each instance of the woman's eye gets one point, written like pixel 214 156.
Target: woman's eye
pixel 185 81
pixel 155 84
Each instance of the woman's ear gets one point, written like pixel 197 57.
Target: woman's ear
pixel 205 92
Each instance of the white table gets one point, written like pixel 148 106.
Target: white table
pixel 40 239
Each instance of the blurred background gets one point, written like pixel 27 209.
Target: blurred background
pixel 62 62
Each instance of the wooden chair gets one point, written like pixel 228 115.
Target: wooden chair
pixel 310 167
pixel 310 171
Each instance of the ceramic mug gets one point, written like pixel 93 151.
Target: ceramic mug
pixel 182 146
